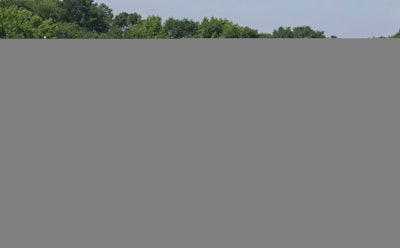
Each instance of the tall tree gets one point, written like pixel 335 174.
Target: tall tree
pixel 124 20
pixel 86 14
pixel 68 30
pixel 75 11
pixel 100 20
pixel 19 23
pixel 120 24
pixel 176 29
pixel 282 32
pixel 223 28
pixel 44 8
pixel 247 32
pixel 297 32
pixel 307 32
pixel 212 28
pixel 88 19
pixel 9 3
pixel 149 28
pixel 231 30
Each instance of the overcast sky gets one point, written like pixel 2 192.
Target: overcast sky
pixel 344 18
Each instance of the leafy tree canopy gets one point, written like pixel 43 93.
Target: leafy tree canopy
pixel 19 23
pixel 149 28
pixel 297 32
pixel 89 19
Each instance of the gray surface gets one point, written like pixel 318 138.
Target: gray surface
pixel 199 144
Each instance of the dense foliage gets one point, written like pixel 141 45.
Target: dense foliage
pixel 69 19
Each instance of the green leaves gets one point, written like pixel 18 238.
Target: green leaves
pixel 150 28
pixel 46 29
pixel 65 30
pixel 282 32
pixel 307 32
pixel 177 29
pixel 223 28
pixel 120 24
pixel 297 32
pixel 212 28
pixel 247 32
pixel 70 19
pixel 18 23
pixel 125 20
pixel 86 14
pixel 9 3
pixel 46 9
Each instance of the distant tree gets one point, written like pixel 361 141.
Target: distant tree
pixel 297 32
pixel 9 3
pixel 46 29
pixel 247 32
pixel 124 20
pixel 19 23
pixel 235 31
pixel 282 32
pixel 76 11
pixel 176 29
pixel 307 32
pixel 100 20
pixel 44 8
pixel 65 30
pixel 223 28
pixel 88 19
pixel 87 14
pixel 212 28
pixel 149 28
pixel 231 30
pixel 120 24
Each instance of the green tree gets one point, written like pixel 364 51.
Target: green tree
pixel 20 23
pixel 46 29
pixel 282 32
pixel 214 28
pixel 297 32
pixel 307 32
pixel 64 30
pixel 88 19
pixel 223 28
pixel 149 28
pixel 75 11
pixel 86 14
pixel 247 32
pixel 176 29
pixel 120 24
pixel 100 20
pixel 124 20
pixel 9 3
pixel 231 30
pixel 67 30
pixel 44 8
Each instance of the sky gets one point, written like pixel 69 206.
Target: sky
pixel 343 18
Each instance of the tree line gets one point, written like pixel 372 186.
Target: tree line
pixel 86 19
